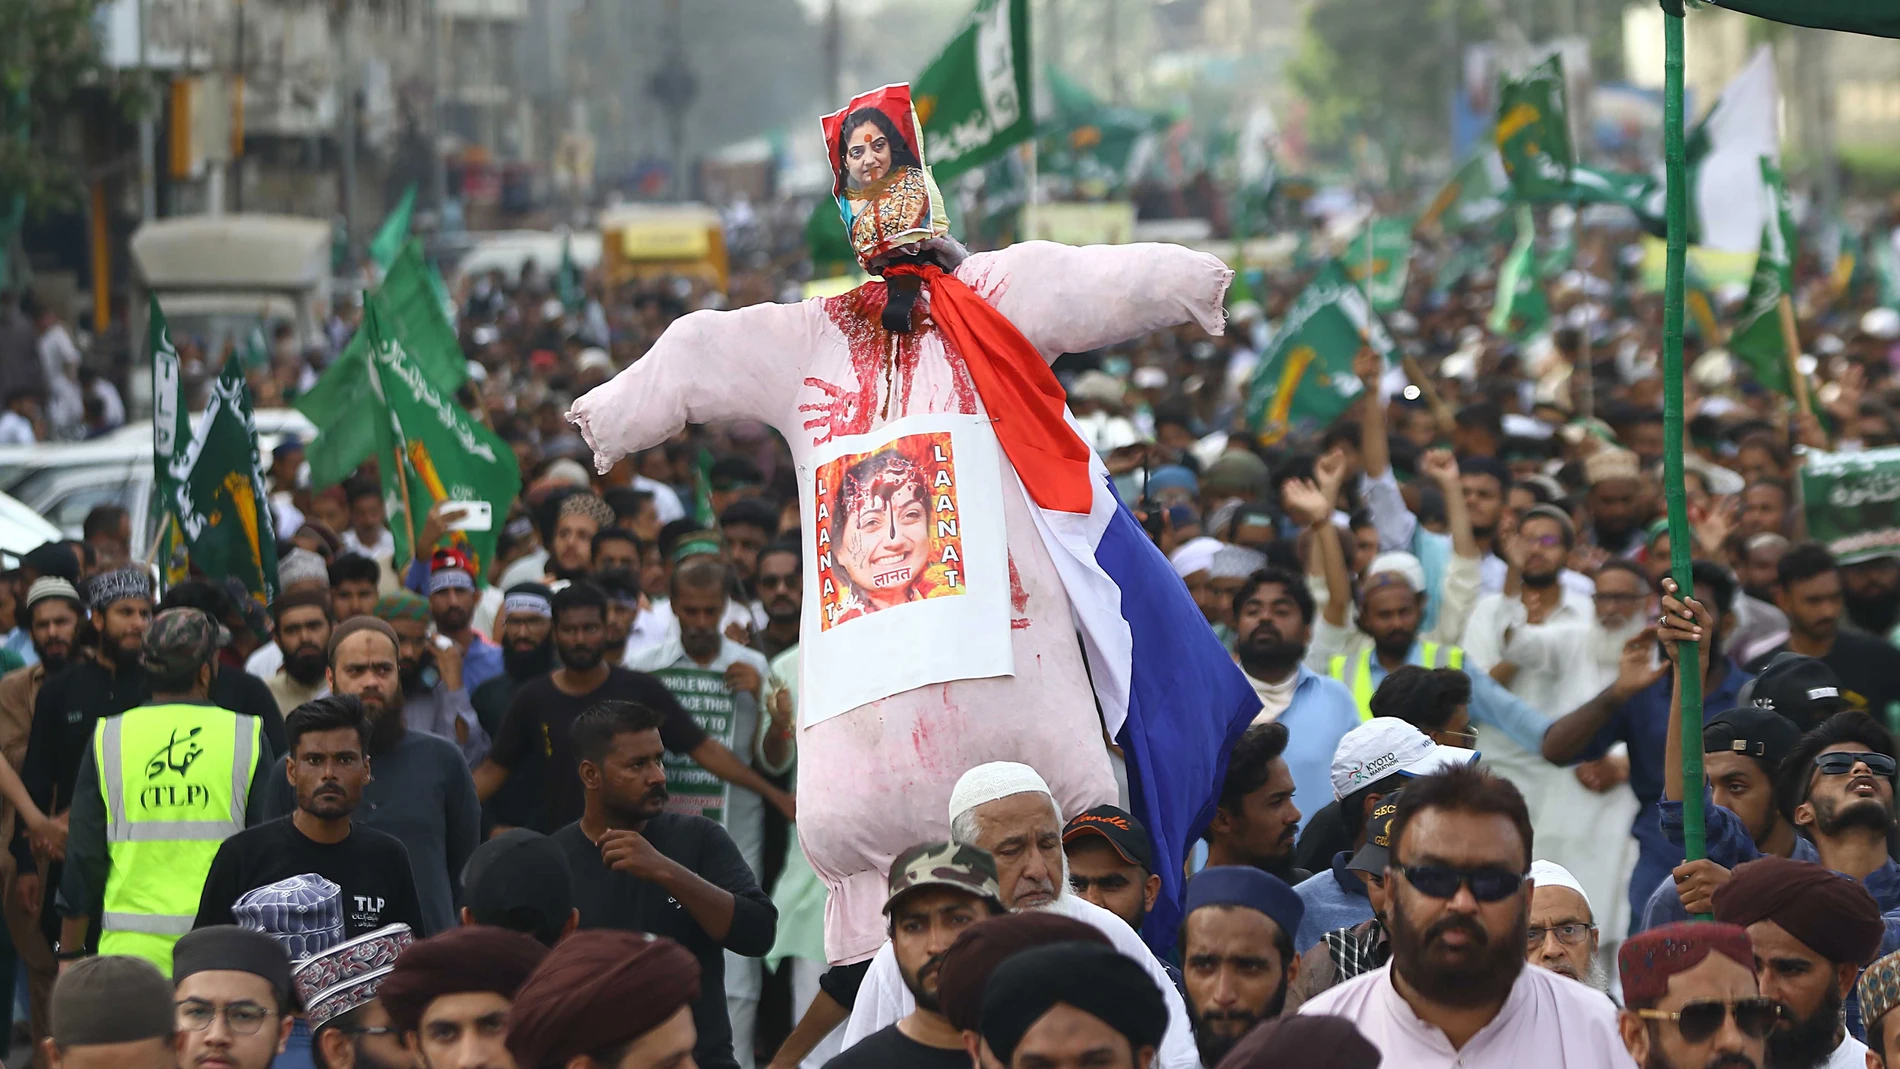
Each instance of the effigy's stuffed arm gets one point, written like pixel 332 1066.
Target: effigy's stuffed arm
pixel 1070 299
pixel 707 367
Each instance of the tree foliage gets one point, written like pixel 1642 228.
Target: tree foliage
pixel 51 74
pixel 1381 70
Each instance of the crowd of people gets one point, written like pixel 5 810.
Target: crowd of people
pixel 418 813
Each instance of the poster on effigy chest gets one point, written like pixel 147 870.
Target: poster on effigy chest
pixel 906 571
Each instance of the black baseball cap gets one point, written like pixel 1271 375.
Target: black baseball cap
pixel 1372 857
pixel 1802 689
pixel 1125 833
pixel 520 880
pixel 1752 731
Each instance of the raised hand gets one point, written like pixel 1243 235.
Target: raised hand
pixel 1305 502
pixel 1441 467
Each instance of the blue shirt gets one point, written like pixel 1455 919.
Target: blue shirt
pixel 1320 714
pixel 1491 705
pixel 1729 845
pixel 481 663
pixel 1334 899
pixel 1643 724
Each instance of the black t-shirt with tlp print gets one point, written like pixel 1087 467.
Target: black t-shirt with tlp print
pixel 542 714
pixel 889 1048
pixel 370 867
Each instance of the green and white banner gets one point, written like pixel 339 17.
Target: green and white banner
pixel 1853 502
pixel 1533 132
pixel 974 100
pixel 704 695
pixel 1379 260
pixel 1757 340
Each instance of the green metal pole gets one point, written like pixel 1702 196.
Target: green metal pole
pixel 1680 537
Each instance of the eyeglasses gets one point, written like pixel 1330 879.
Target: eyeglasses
pixel 1467 740
pixel 1699 1020
pixel 1567 934
pixel 1840 764
pixel 1442 881
pixel 243 1018
pixel 773 582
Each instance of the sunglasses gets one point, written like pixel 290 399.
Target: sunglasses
pixel 1840 764
pixel 1442 881
pixel 1699 1020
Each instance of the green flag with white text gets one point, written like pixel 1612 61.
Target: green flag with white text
pixel 342 404
pixel 1757 340
pixel 1379 260
pixel 444 455
pixel 974 99
pixel 1533 132
pixel 1307 379
pixel 215 491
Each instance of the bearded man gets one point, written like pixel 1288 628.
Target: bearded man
pixel 527 654
pixel 1273 622
pixel 1006 808
pixel 301 631
pixel 1458 903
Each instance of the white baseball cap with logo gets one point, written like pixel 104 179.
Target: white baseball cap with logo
pixel 1386 745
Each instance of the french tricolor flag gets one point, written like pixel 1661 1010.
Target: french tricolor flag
pixel 1170 695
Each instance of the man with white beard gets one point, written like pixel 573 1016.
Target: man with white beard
pixel 1006 808
pixel 1557 652
pixel 1563 930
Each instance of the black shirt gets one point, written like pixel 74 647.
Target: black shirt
pixel 889 1048
pixel 1868 668
pixel 522 800
pixel 542 713
pixel 370 866
pixel 609 899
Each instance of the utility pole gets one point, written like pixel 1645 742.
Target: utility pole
pixel 438 169
pixel 834 54
pixel 346 117
pixel 674 86
pixel 148 139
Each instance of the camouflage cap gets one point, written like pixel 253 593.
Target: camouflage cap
pixel 967 868
pixel 180 639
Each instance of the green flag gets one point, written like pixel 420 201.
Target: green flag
pixel 1379 259
pixel 171 416
pixel 435 448
pixel 567 281
pixel 1520 309
pixel 343 404
pixel 216 492
pixel 1307 379
pixel 1640 193
pixel 1561 254
pixel 1475 196
pixel 974 99
pixel 389 239
pixel 1533 132
pixel 1088 141
pixel 1756 340
pixel 825 241
pixel 1698 300
pixel 1879 18
pixel 254 351
pixel 702 491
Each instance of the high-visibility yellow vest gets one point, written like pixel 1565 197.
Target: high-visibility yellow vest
pixel 175 779
pixel 1361 675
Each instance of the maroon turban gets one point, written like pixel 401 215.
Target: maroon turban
pixel 596 991
pixel 983 946
pixel 1648 959
pixel 1309 1041
pixel 1831 913
pixel 458 961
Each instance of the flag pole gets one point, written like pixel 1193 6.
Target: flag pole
pixel 1689 659
pixel 1791 344
pixel 408 514
pixel 164 526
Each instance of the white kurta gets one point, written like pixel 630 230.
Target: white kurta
pixel 876 780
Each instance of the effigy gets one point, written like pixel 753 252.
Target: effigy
pixel 974 590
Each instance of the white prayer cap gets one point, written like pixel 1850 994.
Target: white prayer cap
pixel 988 782
pixel 1194 555
pixel 1401 564
pixel 1551 874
